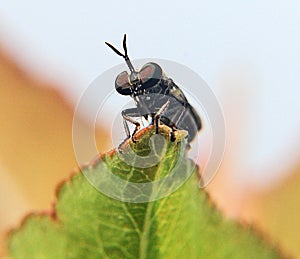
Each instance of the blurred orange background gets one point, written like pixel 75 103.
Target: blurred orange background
pixel 36 150
pixel 249 54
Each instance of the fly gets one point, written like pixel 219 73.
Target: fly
pixel 157 97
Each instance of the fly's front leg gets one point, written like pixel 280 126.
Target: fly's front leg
pixel 127 117
pixel 157 115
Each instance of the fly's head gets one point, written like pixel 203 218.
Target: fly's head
pixel 136 82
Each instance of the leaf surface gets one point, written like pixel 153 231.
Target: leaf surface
pixel 89 224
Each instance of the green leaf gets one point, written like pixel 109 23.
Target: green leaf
pixel 89 224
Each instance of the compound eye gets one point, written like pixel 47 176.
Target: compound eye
pixel 122 84
pixel 150 75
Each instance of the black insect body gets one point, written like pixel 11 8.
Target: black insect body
pixel 156 97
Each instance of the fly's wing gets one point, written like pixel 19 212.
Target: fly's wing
pixel 189 119
pixel 177 93
pixel 196 117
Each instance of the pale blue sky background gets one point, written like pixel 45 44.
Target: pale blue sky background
pixel 253 46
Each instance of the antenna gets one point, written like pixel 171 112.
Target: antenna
pixel 125 56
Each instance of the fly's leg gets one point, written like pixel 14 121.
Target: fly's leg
pixel 156 121
pixel 173 125
pixel 156 118
pixel 127 117
pixel 172 134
